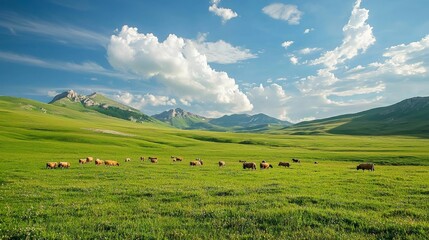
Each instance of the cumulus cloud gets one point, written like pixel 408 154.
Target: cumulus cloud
pixel 308 30
pixel 141 101
pixel 293 59
pixel 270 99
pixel 225 13
pixel 179 66
pixel 222 52
pixel 358 37
pixel 285 12
pixel 306 51
pixel 287 44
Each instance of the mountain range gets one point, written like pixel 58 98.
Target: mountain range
pixel 408 117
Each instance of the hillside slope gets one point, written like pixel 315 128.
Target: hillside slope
pixel 97 102
pixel 408 117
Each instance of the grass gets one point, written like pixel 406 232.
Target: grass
pixel 140 200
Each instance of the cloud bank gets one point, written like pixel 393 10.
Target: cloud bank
pixel 179 66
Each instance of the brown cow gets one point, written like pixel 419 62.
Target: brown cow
pixel 111 163
pixel 51 165
pixel 197 162
pixel 153 159
pixel 221 163
pixel 365 166
pixel 265 165
pixel 295 160
pixel 251 165
pixel 82 161
pixel 98 162
pixel 63 164
pixel 284 164
pixel 89 159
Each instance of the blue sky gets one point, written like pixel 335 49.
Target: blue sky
pixel 294 60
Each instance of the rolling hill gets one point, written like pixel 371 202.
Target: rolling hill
pixel 408 117
pixel 99 103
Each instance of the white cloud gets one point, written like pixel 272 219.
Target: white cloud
pixel 294 60
pixel 287 44
pixel 141 101
pixel 179 66
pixel 85 67
pixel 286 12
pixel 63 33
pixel 52 93
pixel 225 13
pixel 281 79
pixel 358 37
pixel 306 51
pixel 270 99
pixel 308 30
pixel 222 52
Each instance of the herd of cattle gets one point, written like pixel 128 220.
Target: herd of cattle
pixel 197 162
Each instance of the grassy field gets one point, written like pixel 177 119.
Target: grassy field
pixel 140 200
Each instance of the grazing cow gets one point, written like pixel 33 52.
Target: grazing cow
pixel 221 163
pixel 51 165
pixel 365 166
pixel 127 159
pixel 295 160
pixel 250 165
pixel 179 159
pixel 142 158
pixel 89 159
pixel 153 159
pixel 316 162
pixel 82 161
pixel 197 162
pixel 284 164
pixel 98 162
pixel 265 165
pixel 63 164
pixel 242 161
pixel 111 163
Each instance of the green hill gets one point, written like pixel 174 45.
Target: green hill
pixel 246 122
pixel 408 117
pixel 101 104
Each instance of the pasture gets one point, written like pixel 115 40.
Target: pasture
pixel 166 200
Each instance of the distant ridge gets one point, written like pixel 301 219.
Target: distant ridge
pixel 247 121
pixel 408 117
pixel 98 102
pixel 180 118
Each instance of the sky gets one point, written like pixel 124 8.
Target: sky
pixel 295 60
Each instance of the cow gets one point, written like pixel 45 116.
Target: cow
pixel 295 160
pixel 265 165
pixel 51 165
pixel 365 166
pixel 251 165
pixel 127 159
pixel 316 162
pixel 98 162
pixel 284 164
pixel 89 159
pixel 221 163
pixel 111 163
pixel 153 159
pixel 142 158
pixel 197 162
pixel 242 161
pixel 82 161
pixel 179 159
pixel 63 164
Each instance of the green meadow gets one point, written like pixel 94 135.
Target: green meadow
pixel 172 200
